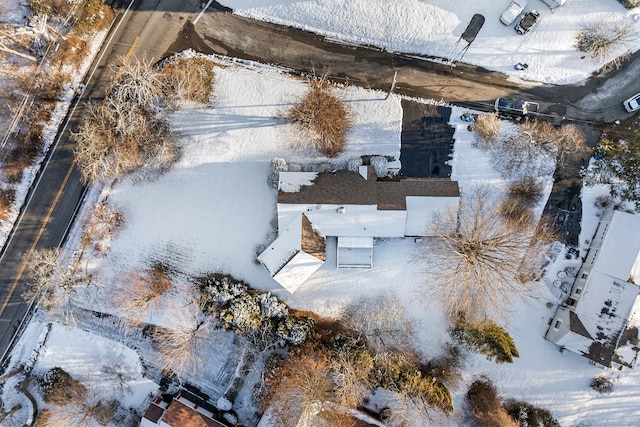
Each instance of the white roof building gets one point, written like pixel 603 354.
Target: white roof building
pixel 353 207
pixel 594 316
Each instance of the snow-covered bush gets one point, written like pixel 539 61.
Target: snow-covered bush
pixel 259 317
pixel 294 330
pixel 242 314
pixel 354 164
pixel 223 404
pixel 380 166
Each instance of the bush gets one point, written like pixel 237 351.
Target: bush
pixel 602 384
pixel 50 7
pixel 99 228
pixel 487 127
pixel 603 202
pixel 486 338
pixel 7 197
pixel 25 152
pixel 92 16
pixel 527 191
pixel 188 79
pixel 58 387
pixel 260 317
pixel 325 116
pixel 601 39
pixel 515 212
pixel 485 407
pixel 528 415
pixel 446 368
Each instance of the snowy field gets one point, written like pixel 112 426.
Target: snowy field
pixel 432 27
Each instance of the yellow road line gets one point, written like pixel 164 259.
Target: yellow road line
pixel 37 239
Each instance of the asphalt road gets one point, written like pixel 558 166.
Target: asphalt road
pixel 145 30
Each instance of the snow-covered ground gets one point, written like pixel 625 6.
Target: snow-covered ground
pixel 432 27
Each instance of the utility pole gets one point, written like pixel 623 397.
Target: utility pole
pixel 393 85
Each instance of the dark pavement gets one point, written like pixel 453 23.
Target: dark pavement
pixel 426 140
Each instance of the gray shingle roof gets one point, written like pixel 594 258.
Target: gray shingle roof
pixel 350 188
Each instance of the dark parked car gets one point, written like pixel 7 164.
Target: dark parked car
pixel 515 106
pixel 528 21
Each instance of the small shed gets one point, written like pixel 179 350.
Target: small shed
pixel 355 252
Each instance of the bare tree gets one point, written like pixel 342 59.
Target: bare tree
pixel 141 292
pixel 603 38
pixel 480 261
pixel 54 282
pixel 87 412
pixel 351 366
pixel 117 137
pixel 124 133
pixel 537 147
pixel 101 224
pixel 119 374
pixel 138 83
pixel 383 323
pixel 185 347
pixel 301 390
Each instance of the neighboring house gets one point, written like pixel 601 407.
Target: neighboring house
pixel 594 317
pixel 352 209
pixel 178 411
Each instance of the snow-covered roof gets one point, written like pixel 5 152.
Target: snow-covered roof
pixel 607 297
pixel 286 245
pixel 291 182
pixel 297 271
pixel 348 220
pixel 421 211
pixel 605 304
pixel 353 206
pixel 344 203
pixel 619 255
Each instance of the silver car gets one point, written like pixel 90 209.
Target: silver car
pixel 512 11
pixel 632 104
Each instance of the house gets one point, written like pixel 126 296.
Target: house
pixel 178 411
pixel 595 315
pixel 346 211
